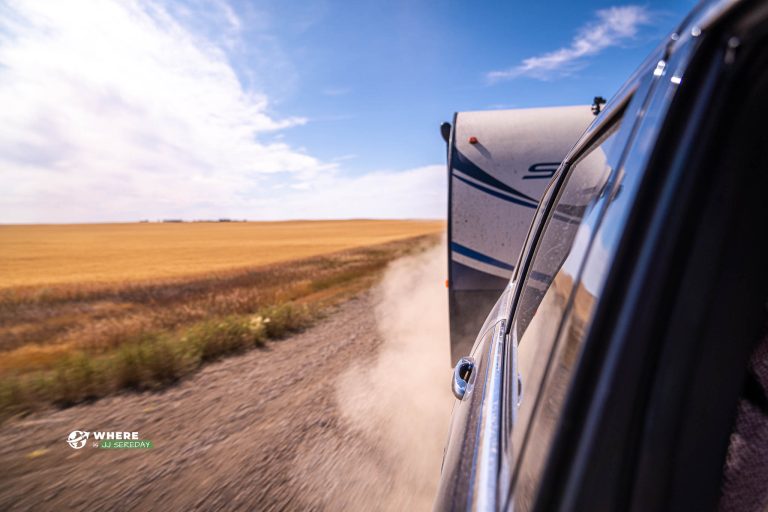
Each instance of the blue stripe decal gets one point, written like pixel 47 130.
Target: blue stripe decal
pixel 470 253
pixel 465 165
pixel 494 193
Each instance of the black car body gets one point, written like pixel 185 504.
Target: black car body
pixel 614 370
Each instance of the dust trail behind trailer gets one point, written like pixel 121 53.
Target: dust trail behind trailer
pixel 499 164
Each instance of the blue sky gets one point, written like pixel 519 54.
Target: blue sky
pixel 119 110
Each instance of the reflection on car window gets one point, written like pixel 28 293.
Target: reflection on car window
pixel 584 185
pixel 549 282
pixel 545 199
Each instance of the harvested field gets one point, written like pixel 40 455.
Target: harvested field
pixel 69 342
pixel 34 255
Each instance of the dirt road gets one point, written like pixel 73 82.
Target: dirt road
pixel 327 419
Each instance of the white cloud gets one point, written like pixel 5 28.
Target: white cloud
pixel 415 193
pixel 612 27
pixel 113 103
pixel 119 110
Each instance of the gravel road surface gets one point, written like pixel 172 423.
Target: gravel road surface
pixel 312 422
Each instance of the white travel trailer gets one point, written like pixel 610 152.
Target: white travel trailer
pixel 499 163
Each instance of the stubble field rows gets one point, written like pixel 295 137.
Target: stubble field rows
pixel 90 310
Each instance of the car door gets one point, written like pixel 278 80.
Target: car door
pixel 631 411
pixel 472 447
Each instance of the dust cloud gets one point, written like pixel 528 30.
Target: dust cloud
pixel 394 408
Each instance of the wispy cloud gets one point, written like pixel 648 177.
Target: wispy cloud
pixel 613 26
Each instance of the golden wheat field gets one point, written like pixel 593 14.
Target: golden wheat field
pixel 55 254
pixel 87 310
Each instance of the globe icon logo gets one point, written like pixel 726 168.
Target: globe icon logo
pixel 77 439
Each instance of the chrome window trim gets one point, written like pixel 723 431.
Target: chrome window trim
pixel 484 492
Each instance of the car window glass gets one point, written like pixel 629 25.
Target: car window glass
pixel 529 239
pixel 562 246
pixel 583 186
